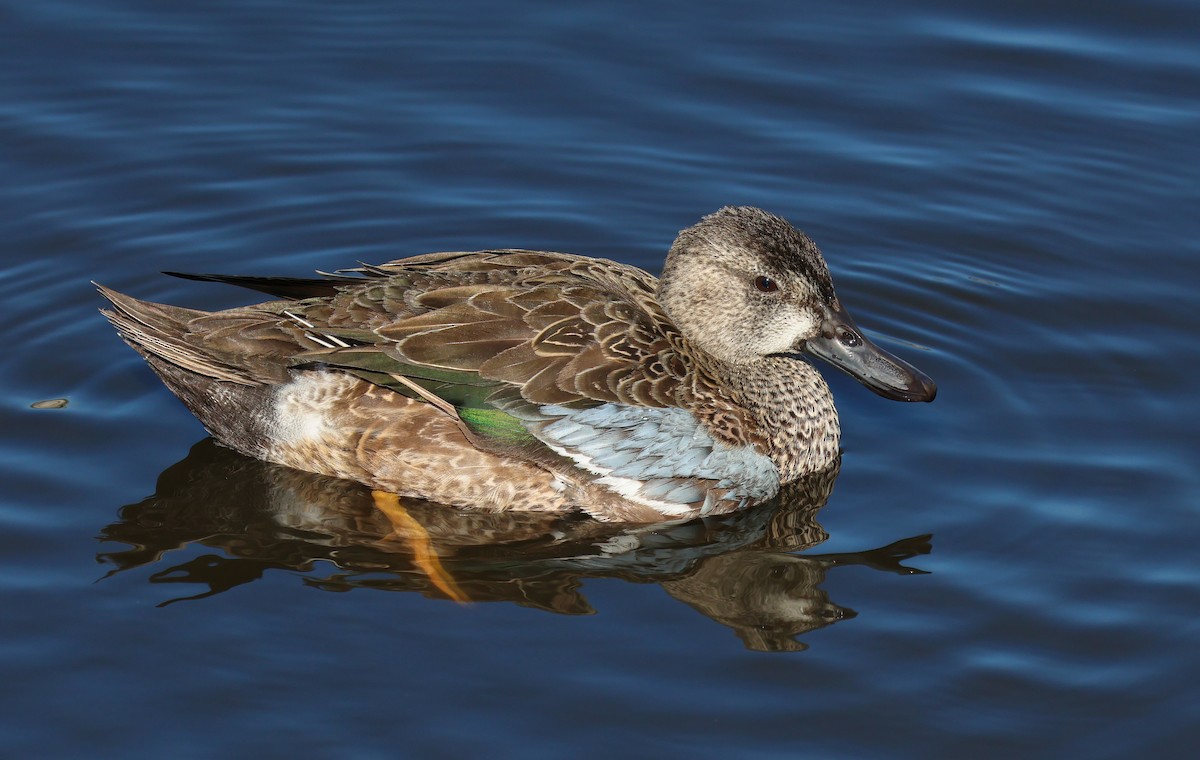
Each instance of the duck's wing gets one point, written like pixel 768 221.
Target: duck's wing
pixel 557 329
pixel 573 367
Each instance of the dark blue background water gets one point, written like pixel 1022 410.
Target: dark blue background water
pixel 1006 196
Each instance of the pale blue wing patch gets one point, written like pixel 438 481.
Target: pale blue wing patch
pixel 661 458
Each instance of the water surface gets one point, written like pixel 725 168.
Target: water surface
pixel 1006 197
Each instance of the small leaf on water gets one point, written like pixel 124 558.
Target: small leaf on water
pixel 50 403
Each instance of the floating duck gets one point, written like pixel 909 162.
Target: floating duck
pixel 530 380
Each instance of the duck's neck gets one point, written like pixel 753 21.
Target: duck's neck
pixel 792 408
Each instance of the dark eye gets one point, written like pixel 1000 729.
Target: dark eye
pixel 765 284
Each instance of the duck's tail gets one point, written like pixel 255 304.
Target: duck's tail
pixel 165 332
pixel 231 398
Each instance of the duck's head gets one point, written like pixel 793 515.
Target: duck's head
pixel 743 284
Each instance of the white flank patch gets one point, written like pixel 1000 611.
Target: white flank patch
pixel 298 417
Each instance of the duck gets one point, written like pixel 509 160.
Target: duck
pixel 522 380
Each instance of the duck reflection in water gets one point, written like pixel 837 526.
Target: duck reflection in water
pixel 736 569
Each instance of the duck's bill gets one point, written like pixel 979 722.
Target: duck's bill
pixel 844 346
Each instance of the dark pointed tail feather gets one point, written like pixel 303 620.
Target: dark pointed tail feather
pixel 292 288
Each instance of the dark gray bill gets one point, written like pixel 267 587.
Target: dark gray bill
pixel 844 346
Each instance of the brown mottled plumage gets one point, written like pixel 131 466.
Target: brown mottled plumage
pixel 529 380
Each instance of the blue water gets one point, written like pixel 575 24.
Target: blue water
pixel 1007 197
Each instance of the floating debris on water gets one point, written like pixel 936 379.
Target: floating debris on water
pixel 50 403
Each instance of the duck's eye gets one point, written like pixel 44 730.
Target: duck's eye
pixel 765 284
